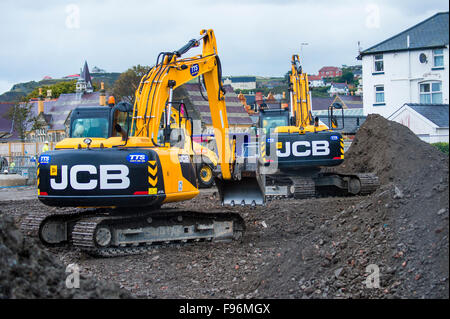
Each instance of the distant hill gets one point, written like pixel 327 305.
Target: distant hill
pixel 21 90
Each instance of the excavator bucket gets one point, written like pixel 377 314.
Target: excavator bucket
pixel 246 191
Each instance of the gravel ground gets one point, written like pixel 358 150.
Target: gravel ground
pixel 313 248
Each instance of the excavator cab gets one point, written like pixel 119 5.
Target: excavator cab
pixel 100 122
pixel 333 122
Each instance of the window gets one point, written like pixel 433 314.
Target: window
pixel 431 93
pixel 379 94
pixel 438 58
pixel 269 123
pixel 379 65
pixel 90 127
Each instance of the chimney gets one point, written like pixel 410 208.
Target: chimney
pixel 102 101
pixel 49 95
pixel 40 102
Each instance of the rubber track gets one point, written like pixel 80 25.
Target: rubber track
pixel 369 183
pixel 84 231
pixel 304 187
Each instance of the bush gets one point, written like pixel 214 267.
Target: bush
pixel 443 147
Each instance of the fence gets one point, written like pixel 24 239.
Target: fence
pixel 25 166
pixel 23 149
pixel 21 158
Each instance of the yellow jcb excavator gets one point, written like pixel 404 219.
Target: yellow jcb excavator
pixel 300 149
pixel 126 178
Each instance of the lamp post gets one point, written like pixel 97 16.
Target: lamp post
pixel 301 49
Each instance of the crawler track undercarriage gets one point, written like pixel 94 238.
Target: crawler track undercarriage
pixel 321 184
pixel 114 232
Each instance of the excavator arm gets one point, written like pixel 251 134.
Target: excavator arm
pixel 300 107
pixel 154 95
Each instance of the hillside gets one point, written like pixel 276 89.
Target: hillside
pixel 20 90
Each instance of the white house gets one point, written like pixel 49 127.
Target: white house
pixel 241 82
pixel 338 88
pixel 410 67
pixel 428 121
pixel 315 81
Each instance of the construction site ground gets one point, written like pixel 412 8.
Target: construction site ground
pixel 310 248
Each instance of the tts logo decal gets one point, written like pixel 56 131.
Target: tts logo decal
pixel 137 158
pixel 305 148
pixel 194 69
pixel 106 174
pixel 44 159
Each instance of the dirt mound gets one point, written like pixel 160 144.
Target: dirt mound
pixel 402 229
pixel 394 153
pixel 28 271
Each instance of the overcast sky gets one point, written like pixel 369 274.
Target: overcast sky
pixel 54 37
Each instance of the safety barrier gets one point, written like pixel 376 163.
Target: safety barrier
pixel 25 166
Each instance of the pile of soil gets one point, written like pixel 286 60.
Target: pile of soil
pixel 417 175
pixel 29 271
pixel 402 228
pixel 395 154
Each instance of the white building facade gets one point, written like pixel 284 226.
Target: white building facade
pixel 241 82
pixel 429 122
pixel 411 67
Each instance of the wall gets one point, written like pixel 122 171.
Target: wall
pixel 403 73
pixel 424 129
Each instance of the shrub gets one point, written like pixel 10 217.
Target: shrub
pixel 443 147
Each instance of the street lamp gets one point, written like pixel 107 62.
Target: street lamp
pixel 301 50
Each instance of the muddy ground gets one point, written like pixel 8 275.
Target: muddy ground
pixel 312 248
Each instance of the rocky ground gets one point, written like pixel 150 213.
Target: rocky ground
pixel 313 248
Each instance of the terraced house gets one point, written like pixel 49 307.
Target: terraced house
pixel 410 67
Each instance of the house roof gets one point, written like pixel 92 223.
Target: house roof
pixel 198 107
pixel 436 113
pixel 432 32
pixel 321 103
pixel 348 101
pixel 59 109
pixel 329 68
pixel 351 122
pixel 339 85
pixel 352 101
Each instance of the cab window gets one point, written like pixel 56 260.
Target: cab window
pixel 121 119
pixel 90 127
pixel 269 123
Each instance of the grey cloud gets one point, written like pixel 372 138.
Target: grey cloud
pixel 254 37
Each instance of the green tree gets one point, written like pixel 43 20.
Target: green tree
pixel 22 118
pixel 347 76
pixel 57 89
pixel 128 82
